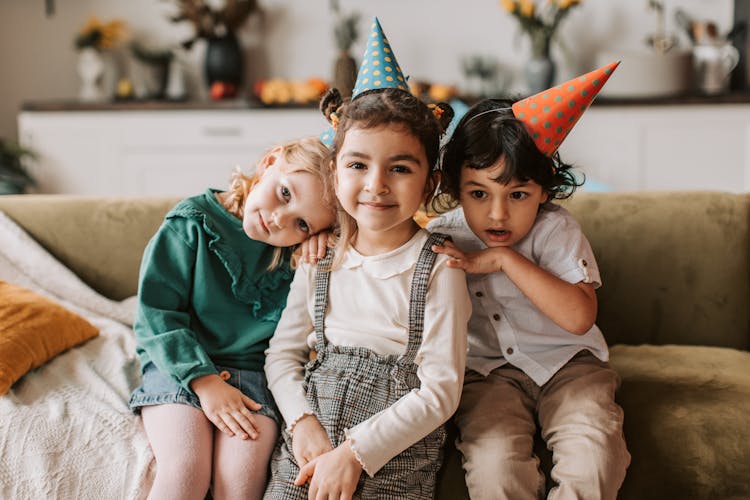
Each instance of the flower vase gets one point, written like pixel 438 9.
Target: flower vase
pixel 90 70
pixel 224 61
pixel 540 69
pixel 345 74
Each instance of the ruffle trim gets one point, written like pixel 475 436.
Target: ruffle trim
pixel 290 427
pixel 255 291
pixel 353 446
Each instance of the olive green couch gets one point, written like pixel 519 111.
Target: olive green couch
pixel 674 308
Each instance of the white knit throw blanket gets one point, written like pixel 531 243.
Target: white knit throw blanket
pixel 66 431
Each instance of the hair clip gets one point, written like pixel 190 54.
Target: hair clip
pixel 437 111
pixel 334 120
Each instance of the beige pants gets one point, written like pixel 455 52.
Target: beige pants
pixel 579 420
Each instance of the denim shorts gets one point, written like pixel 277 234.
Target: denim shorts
pixel 157 389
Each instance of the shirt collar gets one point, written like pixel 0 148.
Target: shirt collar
pixel 388 264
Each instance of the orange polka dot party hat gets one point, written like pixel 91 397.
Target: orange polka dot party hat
pixel 550 115
pixel 378 70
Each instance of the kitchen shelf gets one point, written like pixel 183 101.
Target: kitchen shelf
pixel 735 97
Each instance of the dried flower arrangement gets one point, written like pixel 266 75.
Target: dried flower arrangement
pixel 212 22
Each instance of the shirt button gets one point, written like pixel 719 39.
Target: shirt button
pixel 479 294
pixel 496 317
pixel 509 350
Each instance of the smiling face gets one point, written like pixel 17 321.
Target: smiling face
pixel 284 207
pixel 499 214
pixel 381 180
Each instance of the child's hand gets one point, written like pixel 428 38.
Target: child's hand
pixel 484 261
pixel 226 407
pixel 309 440
pixel 314 247
pixel 332 475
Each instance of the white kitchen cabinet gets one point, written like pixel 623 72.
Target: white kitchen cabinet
pixel 181 152
pixel 155 152
pixel 675 147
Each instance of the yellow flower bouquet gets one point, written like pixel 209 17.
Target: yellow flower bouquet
pixel 539 22
pixel 101 35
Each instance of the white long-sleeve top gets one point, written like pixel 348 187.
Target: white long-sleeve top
pixel 368 306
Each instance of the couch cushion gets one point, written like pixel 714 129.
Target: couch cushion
pixel 675 267
pixel 686 420
pixel 33 330
pixel 686 411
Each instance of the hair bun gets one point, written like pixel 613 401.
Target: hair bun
pixel 330 102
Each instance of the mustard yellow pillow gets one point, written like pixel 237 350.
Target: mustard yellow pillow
pixel 33 330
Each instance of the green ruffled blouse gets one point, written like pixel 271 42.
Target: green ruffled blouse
pixel 205 296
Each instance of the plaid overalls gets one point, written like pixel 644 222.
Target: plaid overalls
pixel 347 385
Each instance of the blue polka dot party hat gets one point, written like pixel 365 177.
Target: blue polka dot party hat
pixel 379 70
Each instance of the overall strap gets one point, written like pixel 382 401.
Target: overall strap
pixel 418 293
pixel 322 278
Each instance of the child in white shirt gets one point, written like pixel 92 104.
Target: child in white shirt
pixel 536 357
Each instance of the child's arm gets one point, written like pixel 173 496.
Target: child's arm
pixel 286 357
pixel 309 440
pixel 572 306
pixel 163 322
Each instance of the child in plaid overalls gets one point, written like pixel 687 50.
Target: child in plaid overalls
pixel 385 317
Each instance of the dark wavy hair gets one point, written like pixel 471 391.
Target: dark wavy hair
pixel 489 132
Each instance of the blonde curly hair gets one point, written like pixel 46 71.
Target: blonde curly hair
pixel 309 155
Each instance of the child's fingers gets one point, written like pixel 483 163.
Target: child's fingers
pixel 305 474
pixel 312 249
pixel 322 248
pixel 251 403
pixel 246 422
pixel 458 264
pixel 227 425
pixel 448 250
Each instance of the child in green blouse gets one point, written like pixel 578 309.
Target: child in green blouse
pixel 213 282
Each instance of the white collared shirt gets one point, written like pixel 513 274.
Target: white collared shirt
pixel 368 306
pixel 505 327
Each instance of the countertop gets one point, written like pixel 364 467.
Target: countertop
pixel 735 97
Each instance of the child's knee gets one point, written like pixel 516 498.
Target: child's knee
pixel 185 465
pixel 592 463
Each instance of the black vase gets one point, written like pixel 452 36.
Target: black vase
pixel 224 60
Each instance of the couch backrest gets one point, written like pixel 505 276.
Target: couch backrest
pixel 100 239
pixel 675 266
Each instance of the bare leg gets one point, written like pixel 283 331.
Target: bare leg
pixel 241 466
pixel 181 437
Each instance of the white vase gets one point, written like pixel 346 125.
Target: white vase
pixel 540 74
pixel 90 71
